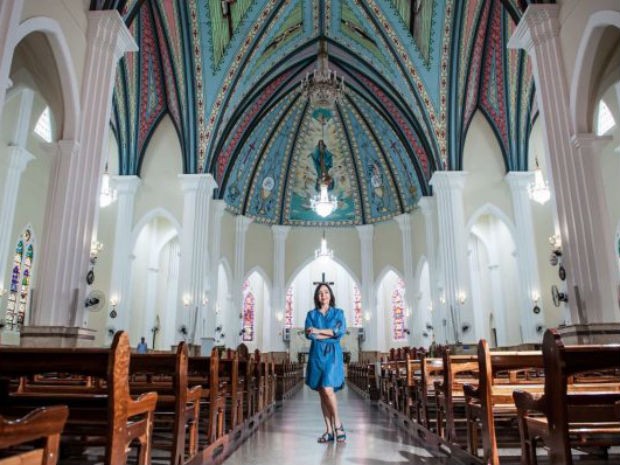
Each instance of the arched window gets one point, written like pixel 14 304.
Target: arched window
pixel 249 303
pixel 605 120
pixel 21 276
pixel 43 128
pixel 288 309
pixel 357 306
pixel 398 311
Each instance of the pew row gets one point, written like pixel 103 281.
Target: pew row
pixel 569 413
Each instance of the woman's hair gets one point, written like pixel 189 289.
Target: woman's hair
pixel 332 299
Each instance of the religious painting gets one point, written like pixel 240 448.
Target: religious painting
pixel 320 155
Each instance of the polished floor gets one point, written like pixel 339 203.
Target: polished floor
pixel 289 437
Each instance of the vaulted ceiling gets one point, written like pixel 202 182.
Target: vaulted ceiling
pixel 228 74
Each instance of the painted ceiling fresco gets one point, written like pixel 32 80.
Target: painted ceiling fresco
pixel 228 74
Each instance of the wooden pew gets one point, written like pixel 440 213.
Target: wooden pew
pixel 431 370
pixel 578 414
pixel 450 399
pixel 178 405
pixel 46 423
pixel 205 372
pixel 109 416
pixel 499 374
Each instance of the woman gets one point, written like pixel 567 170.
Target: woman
pixel 325 325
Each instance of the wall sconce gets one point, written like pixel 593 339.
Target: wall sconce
pixel 2 291
pixel 95 248
pixel 205 300
pixel 556 241
pixel 279 316
pixel 442 299
pixel 367 316
pixel 462 298
pixel 535 299
pixel 187 300
pixel 407 312
pixel 217 309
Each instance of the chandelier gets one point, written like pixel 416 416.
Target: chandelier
pixel 323 203
pixel 323 87
pixel 539 189
pixel 323 251
pixel 107 194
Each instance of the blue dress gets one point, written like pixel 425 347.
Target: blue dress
pixel 325 365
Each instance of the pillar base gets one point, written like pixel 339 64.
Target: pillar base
pixel 57 336
pixel 9 338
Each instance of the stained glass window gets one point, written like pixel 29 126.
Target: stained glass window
pixel 398 311
pixel 357 306
pixel 288 309
pixel 249 303
pixel 21 276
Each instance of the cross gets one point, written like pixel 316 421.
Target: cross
pixel 331 283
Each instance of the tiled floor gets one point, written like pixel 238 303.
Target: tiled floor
pixel 289 437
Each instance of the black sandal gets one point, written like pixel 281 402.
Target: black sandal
pixel 342 436
pixel 325 437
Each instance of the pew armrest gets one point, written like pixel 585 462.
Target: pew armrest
pixel 471 392
pixel 528 402
pixel 194 393
pixel 144 404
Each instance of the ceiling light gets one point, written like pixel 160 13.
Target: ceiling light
pixel 323 87
pixel 323 203
pixel 539 189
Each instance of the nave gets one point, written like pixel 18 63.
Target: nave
pixel 373 438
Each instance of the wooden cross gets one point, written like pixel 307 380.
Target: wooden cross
pixel 316 283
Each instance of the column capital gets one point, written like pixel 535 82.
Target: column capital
pixel 107 29
pixel 196 182
pixel 9 84
pixel 366 232
pixel 218 207
pixel 68 147
pixel 19 157
pixel 519 180
pixel 539 24
pixel 404 222
pixel 126 184
pixel 590 141
pixel 426 204
pixel 280 232
pixel 448 180
pixel 242 223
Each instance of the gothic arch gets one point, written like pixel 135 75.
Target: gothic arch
pixel 309 260
pixel 150 216
pixel 581 104
pixel 259 270
pixel 66 69
pixel 490 209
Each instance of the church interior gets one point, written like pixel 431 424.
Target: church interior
pixel 185 173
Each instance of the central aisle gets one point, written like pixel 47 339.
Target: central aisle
pixel 289 437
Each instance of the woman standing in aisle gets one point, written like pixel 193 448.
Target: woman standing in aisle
pixel 325 326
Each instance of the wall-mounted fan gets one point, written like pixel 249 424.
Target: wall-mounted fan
pixel 95 300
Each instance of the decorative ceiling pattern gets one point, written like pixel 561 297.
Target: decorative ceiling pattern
pixel 228 74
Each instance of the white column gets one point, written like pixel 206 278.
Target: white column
pixel 193 283
pixel 427 206
pixel 278 291
pixel 241 228
pixel 120 281
pixel 215 240
pixel 527 263
pixel 17 160
pixel 375 326
pixel 10 15
pixel 583 220
pixel 74 192
pixel 411 293
pixel 598 289
pixel 448 189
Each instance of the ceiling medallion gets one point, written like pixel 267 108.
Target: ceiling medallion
pixel 323 87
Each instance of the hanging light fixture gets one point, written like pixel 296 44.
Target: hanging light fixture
pixel 323 87
pixel 323 251
pixel 539 189
pixel 323 203
pixel 107 195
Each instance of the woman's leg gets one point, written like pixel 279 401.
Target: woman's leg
pixel 325 408
pixel 332 405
